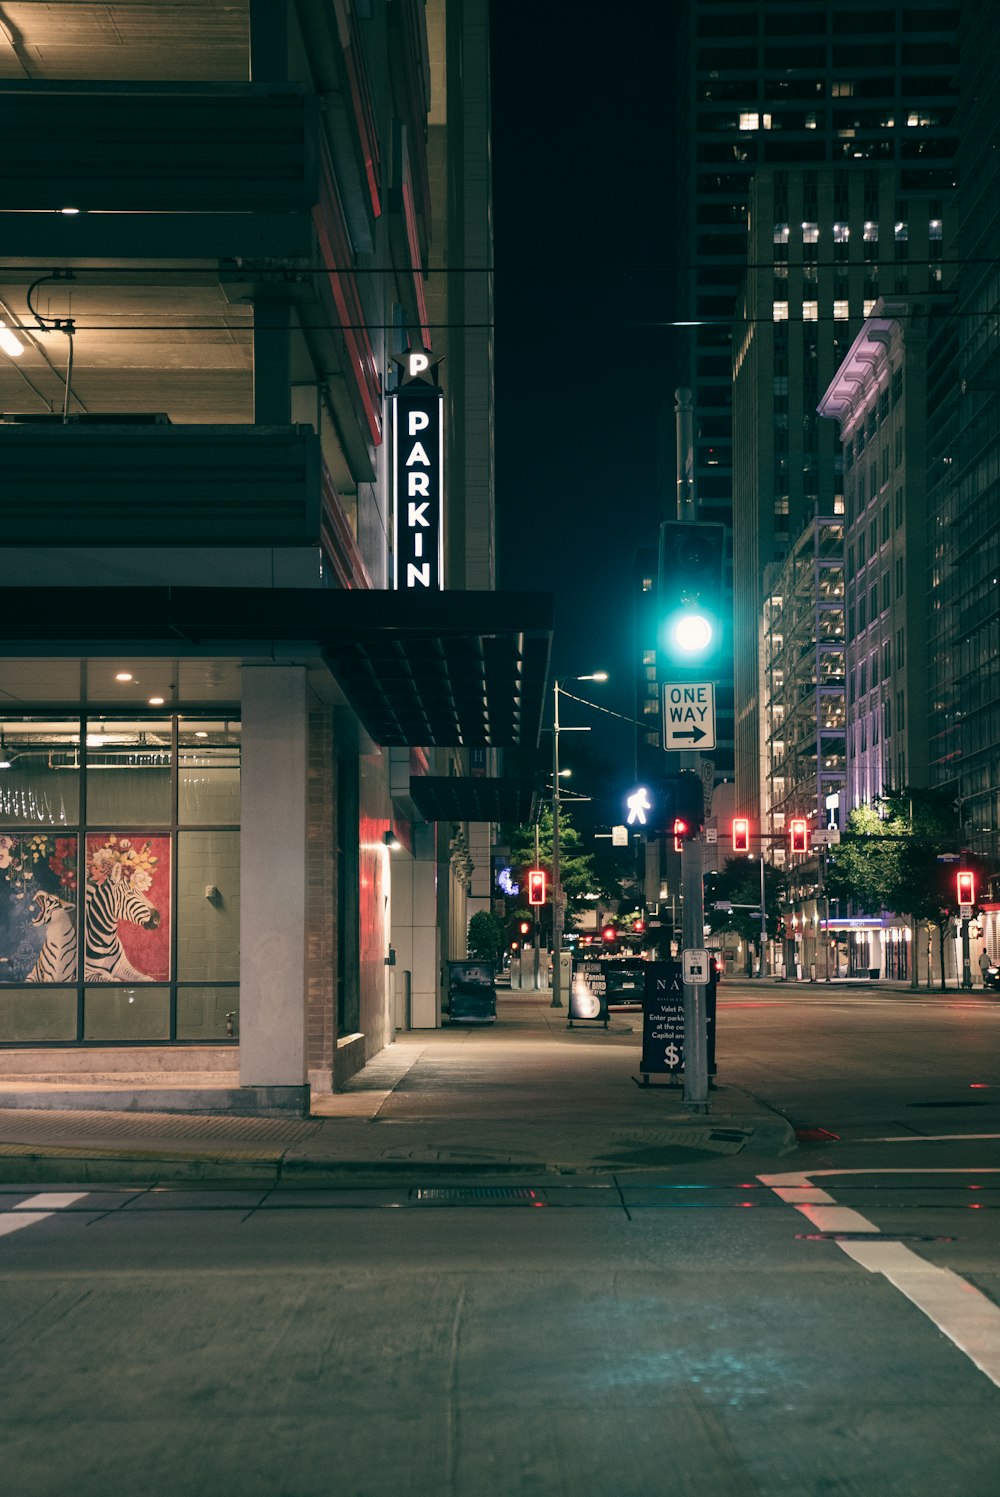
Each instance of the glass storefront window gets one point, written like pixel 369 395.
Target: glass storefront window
pixel 208 773
pixel 37 1016
pixel 39 772
pixel 119 880
pixel 128 772
pixel 125 1013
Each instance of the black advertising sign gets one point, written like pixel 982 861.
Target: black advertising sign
pixel 588 993
pixel 418 476
pixel 663 1021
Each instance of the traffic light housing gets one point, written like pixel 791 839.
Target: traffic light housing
pixel 676 798
pixel 681 833
pixel 536 886
pixel 741 834
pixel 965 881
pixel 799 834
pixel 691 595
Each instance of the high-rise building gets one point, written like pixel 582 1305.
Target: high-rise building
pixel 252 709
pixel 824 246
pixel 963 595
pixel 798 86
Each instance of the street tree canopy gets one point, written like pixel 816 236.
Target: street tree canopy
pixel 577 872
pixel 738 884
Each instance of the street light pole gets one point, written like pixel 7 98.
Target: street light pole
pixel 558 906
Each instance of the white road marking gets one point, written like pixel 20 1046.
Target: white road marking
pixel 958 1309
pixel 51 1200
pixel 924 1138
pixel 29 1213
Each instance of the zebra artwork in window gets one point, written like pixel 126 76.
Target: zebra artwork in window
pixel 57 959
pixel 126 935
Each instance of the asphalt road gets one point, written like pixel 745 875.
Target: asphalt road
pixel 829 1325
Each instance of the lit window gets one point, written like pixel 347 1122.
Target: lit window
pixel 935 229
pixel 871 231
pixel 810 122
pixel 902 231
pixel 781 233
pixel 869 306
pixel 810 311
pixel 841 233
pixel 842 90
pixel 749 120
pixel 840 311
pixel 766 121
pixel 846 134
pixel 780 311
pixel 810 233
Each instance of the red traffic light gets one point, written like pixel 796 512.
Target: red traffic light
pixel 609 933
pixel 681 830
pixel 966 882
pixel 639 927
pixel 800 835
pixel 741 834
pixel 536 886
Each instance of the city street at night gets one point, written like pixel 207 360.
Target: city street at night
pixel 801 1320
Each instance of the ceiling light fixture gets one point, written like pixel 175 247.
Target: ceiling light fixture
pixel 391 841
pixel 10 342
pixel 124 676
pixel 156 701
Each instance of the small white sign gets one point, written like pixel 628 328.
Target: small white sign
pixel 694 966
pixel 711 834
pixel 688 715
pixel 619 836
pixel 965 912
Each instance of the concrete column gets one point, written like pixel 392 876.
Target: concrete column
pixel 268 41
pixel 273 924
pixel 272 363
pixel 414 926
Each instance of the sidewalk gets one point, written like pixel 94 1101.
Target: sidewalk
pixel 524 1096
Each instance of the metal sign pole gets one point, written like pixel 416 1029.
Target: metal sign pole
pixel 695 993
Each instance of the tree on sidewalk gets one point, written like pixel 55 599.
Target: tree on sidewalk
pixel 888 859
pixel 738 884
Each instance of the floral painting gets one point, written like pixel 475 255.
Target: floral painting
pixel 127 903
pixel 38 908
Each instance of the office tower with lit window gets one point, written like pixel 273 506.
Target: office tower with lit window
pixel 795 87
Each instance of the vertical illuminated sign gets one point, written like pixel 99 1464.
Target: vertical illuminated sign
pixel 418 474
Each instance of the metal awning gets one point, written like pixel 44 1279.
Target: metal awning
pixel 472 798
pixel 436 670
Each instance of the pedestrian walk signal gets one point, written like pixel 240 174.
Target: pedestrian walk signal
pixel 741 834
pixel 536 886
pixel 800 836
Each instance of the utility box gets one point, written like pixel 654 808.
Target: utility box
pixel 472 995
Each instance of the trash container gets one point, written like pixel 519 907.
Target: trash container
pixel 472 995
pixel 874 973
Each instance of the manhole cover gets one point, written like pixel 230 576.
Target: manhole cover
pixel 458 1194
pixel 867 1237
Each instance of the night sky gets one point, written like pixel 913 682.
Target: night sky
pixel 584 231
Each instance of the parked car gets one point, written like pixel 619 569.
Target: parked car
pixel 626 981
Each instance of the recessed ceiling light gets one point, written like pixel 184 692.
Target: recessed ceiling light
pixel 156 701
pixel 201 734
pixel 69 210
pixel 124 676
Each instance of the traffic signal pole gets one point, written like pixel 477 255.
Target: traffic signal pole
pixel 695 994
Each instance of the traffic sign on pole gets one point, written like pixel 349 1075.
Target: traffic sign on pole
pixel 688 715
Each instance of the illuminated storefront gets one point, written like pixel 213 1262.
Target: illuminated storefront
pixel 119 879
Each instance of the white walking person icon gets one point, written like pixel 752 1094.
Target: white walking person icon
pixel 638 804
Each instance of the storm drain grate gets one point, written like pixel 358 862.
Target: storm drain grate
pixel 461 1193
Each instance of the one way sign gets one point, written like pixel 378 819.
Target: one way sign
pixel 689 715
